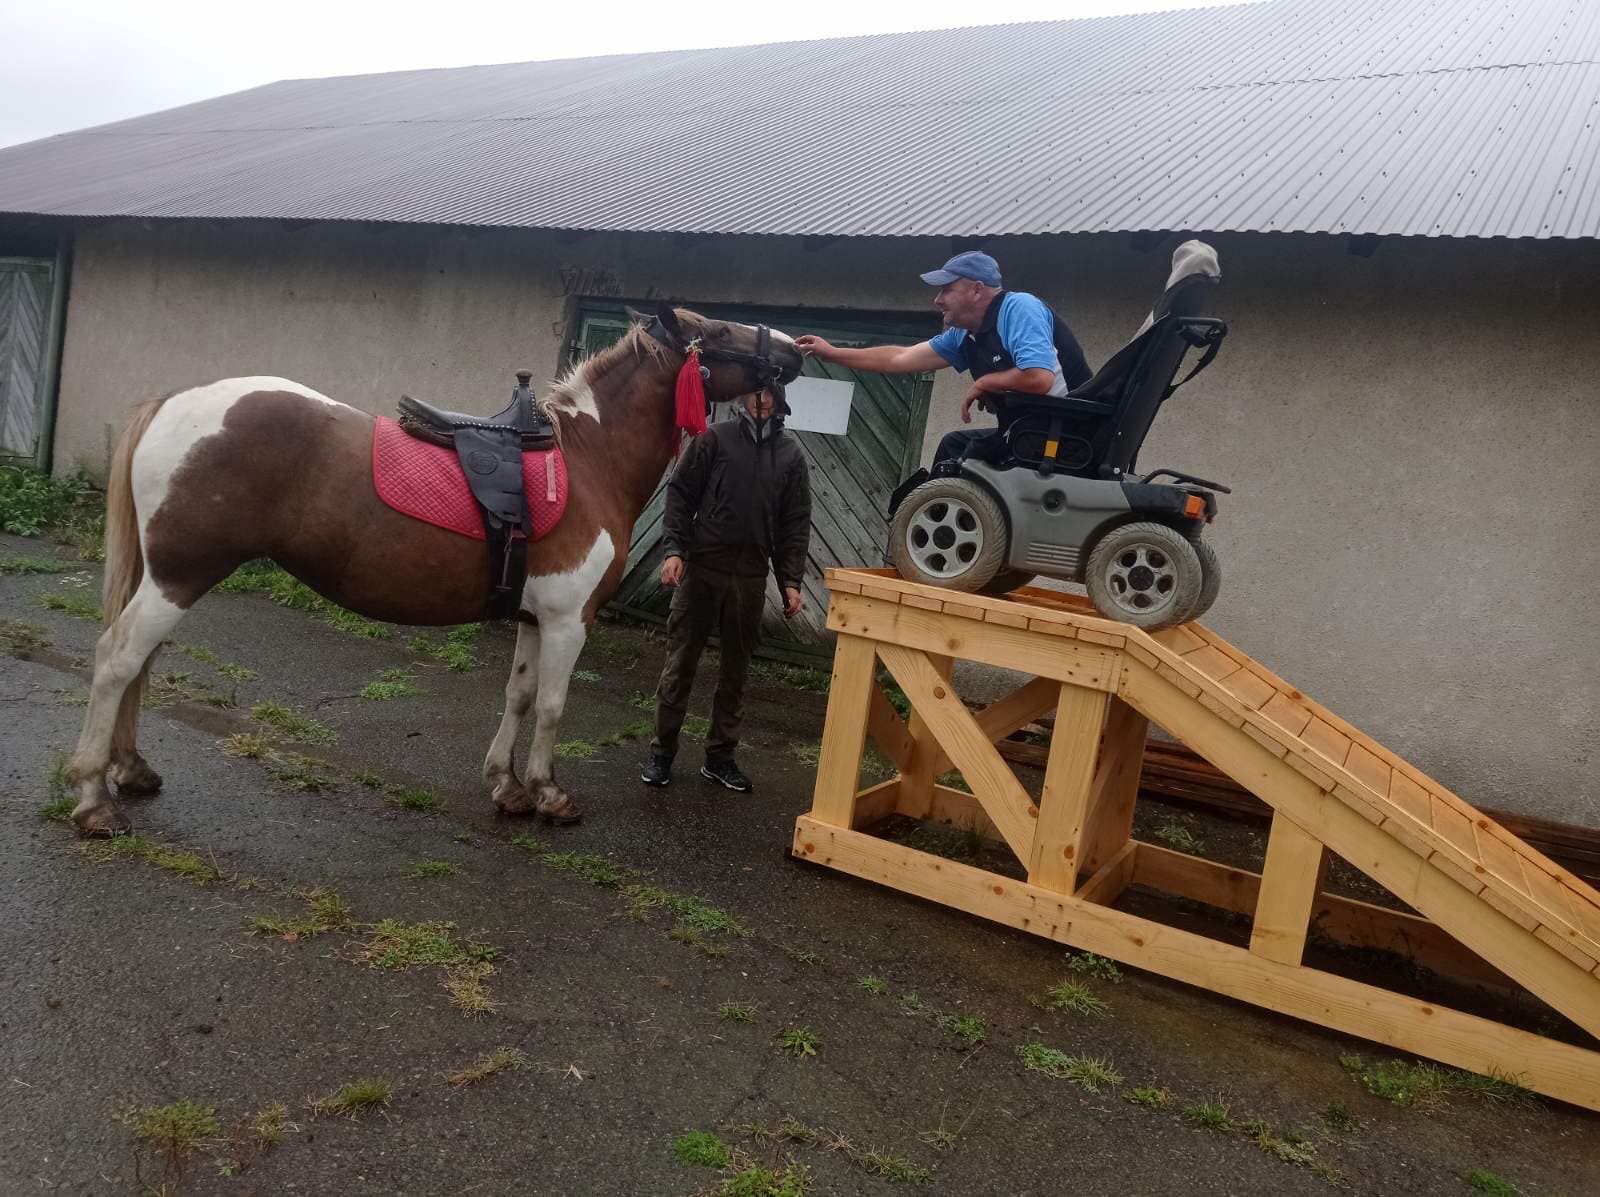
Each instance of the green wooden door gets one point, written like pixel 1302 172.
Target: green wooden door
pixel 852 476
pixel 24 338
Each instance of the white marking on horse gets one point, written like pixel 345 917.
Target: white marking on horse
pixel 573 394
pixel 779 335
pixel 185 420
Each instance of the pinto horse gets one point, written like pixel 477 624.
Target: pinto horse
pixel 212 477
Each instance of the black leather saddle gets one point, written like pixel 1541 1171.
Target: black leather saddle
pixel 490 449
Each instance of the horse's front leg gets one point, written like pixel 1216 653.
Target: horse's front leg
pixel 561 635
pixel 500 766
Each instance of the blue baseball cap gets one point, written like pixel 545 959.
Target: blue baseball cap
pixel 973 264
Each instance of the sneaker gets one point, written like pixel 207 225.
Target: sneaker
pixel 726 773
pixel 657 770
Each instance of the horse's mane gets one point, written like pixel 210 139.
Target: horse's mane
pixel 567 393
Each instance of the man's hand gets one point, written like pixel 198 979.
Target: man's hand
pixel 791 601
pixel 671 571
pixel 974 394
pixel 815 347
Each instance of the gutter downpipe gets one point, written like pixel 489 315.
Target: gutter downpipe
pixel 50 376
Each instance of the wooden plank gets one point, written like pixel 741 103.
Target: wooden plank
pixel 845 731
pixel 1290 883
pixel 1178 641
pixel 1327 740
pixel 1555 1069
pixel 876 803
pixel 1413 799
pixel 1286 713
pixel 1406 873
pixel 1346 921
pixel 1111 878
pixel 888 731
pixel 1116 784
pixel 1247 688
pixel 1011 648
pixel 957 808
pixel 1068 785
pixel 992 783
pixel 927 759
pixel 1448 822
pixel 1374 773
pixel 1005 715
pixel 1209 661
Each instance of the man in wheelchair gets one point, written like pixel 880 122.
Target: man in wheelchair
pixel 1009 341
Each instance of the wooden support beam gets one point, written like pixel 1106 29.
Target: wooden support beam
pixel 1016 710
pixel 926 760
pixel 957 808
pixel 1548 1066
pixel 1346 921
pixel 1116 784
pixel 1112 878
pixel 1290 883
pixel 876 803
pixel 888 731
pixel 991 780
pixel 1068 779
pixel 845 732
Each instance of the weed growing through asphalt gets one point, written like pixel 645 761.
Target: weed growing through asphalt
pixel 247 745
pixel 1212 1115
pixel 236 673
pixel 414 798
pixel 1482 1180
pixel 873 985
pixel 1148 1096
pixel 968 1028
pixel 79 605
pixel 292 724
pixel 175 1132
pixel 806 752
pixel 801 955
pixel 798 1042
pixel 1089 1072
pixel 302 773
pixel 366 777
pixel 263 577
pixel 184 862
pixel 752 1181
pixel 701 1149
pixel 736 1012
pixel 504 1059
pixel 59 808
pixel 325 910
pixel 1074 997
pixel 13 566
pixel 19 637
pixel 870 1160
pixel 390 684
pixel 910 1003
pixel 465 983
pixel 636 730
pixel 575 749
pixel 354 1098
pixel 1415 1083
pixel 585 675
pixel 1178 837
pixel 1338 1117
pixel 431 868
pixel 1087 964
pixel 455 649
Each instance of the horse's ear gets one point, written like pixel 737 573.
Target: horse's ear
pixel 635 316
pixel 668 316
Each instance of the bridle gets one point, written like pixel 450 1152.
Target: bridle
pixel 767 372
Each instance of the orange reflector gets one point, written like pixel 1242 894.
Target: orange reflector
pixel 1194 507
pixel 1050 448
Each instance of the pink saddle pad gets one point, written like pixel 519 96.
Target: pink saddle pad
pixel 426 482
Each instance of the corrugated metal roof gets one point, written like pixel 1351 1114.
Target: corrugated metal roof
pixel 1421 117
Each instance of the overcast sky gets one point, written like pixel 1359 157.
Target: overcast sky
pixel 74 63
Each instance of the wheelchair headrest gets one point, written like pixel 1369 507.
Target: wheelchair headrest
pixel 1194 263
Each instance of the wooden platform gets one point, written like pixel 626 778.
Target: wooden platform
pixel 1493 908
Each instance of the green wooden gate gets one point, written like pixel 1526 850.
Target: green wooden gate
pixel 25 290
pixel 852 476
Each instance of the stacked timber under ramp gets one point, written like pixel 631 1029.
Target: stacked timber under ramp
pixel 1488 905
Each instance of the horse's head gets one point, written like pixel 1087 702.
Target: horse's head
pixel 738 358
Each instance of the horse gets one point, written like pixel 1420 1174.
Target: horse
pixel 209 478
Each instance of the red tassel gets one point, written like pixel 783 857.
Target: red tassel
pixel 691 396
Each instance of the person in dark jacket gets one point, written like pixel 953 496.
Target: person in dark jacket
pixel 739 504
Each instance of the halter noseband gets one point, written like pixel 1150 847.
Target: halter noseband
pixel 767 371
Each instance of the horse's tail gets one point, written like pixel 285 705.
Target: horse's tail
pixel 125 559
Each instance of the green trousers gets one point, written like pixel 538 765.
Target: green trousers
pixel 708 602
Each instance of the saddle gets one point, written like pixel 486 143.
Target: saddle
pixel 490 450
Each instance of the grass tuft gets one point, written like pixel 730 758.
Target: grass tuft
pixel 465 983
pixel 873 985
pixel 1087 964
pixel 1148 1096
pixel 1338 1117
pixel 1091 1073
pixel 1417 1083
pixel 79 605
pixel 1178 837
pixel 176 1131
pixel 184 862
pixel 792 1181
pixel 798 1042
pixel 19 637
pixel 414 798
pixel 575 749
pixel 505 1059
pixel 384 691
pixel 247 745
pixel 1210 1115
pixel 1074 997
pixel 263 577
pixel 354 1098
pixel 14 566
pixel 1482 1180
pixel 431 868
pixel 701 1149
pixel 393 944
pixel 736 1012
pixel 968 1028
pixel 293 724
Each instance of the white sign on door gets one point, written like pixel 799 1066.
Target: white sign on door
pixel 819 405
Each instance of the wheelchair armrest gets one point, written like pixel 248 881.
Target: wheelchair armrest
pixel 1023 403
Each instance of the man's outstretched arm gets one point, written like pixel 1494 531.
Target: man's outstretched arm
pixel 875 359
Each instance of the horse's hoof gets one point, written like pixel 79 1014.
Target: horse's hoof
pixel 102 822
pixel 137 780
pixel 513 800
pixel 556 806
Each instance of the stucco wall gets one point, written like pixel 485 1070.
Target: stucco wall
pixel 1410 436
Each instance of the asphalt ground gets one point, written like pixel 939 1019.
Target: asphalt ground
pixel 125 985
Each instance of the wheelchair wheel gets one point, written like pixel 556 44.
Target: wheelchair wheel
pixel 949 532
pixel 1145 574
pixel 1210 579
pixel 1006 581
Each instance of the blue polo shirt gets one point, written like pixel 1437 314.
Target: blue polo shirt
pixel 1026 329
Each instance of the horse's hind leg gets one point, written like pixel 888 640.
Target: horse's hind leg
pixel 120 657
pixel 500 766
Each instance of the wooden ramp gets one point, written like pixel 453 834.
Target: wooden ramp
pixel 1491 908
